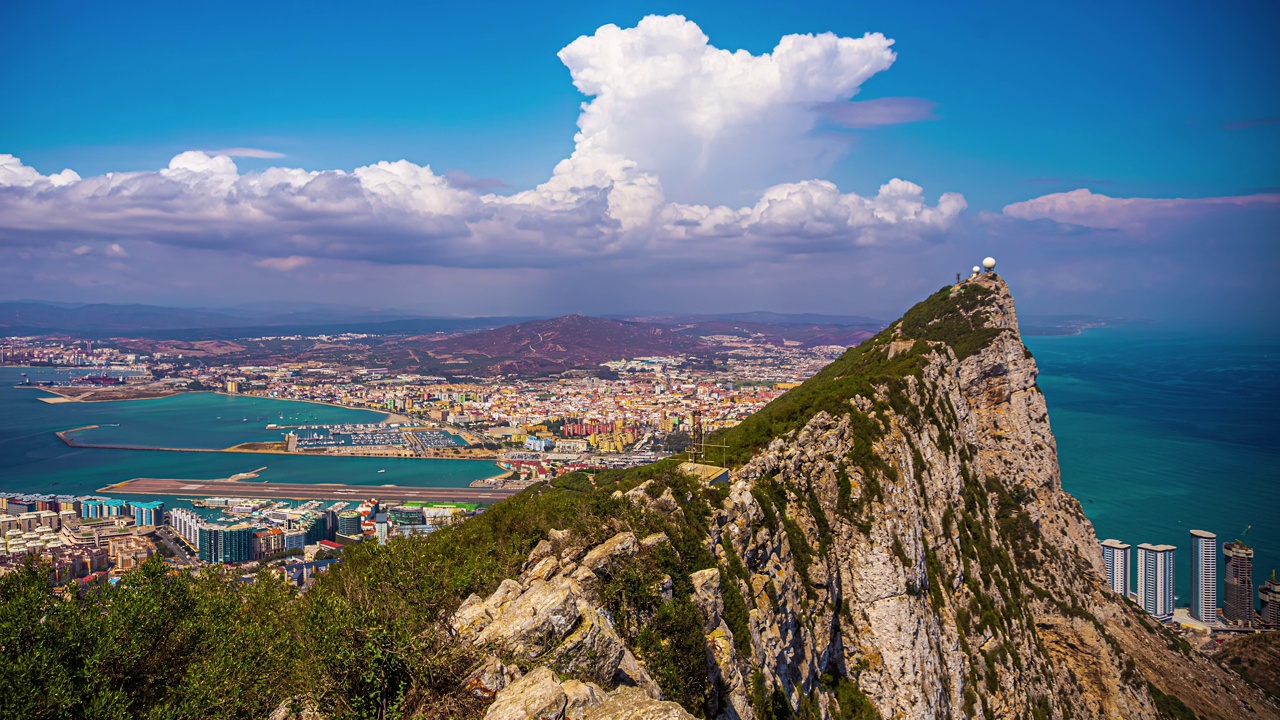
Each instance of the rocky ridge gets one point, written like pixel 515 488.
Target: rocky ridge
pixel 904 550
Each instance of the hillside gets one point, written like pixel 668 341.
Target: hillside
pixel 894 543
pixel 543 347
pixel 1256 658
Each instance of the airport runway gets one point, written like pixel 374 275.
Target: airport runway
pixel 292 491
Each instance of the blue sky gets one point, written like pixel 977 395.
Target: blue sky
pixel 1019 100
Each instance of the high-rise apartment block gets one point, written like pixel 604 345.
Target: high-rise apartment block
pixel 1204 576
pixel 1115 555
pixel 222 544
pixel 1237 585
pixel 1269 594
pixel 1155 580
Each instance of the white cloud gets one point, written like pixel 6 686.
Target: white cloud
pixel 14 174
pixel 709 122
pixel 669 110
pixel 1089 209
pixel 282 264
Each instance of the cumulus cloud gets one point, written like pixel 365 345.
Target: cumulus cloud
pixel 685 153
pixel 707 121
pixel 669 112
pixel 1089 209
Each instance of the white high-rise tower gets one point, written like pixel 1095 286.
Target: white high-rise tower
pixel 1155 580
pixel 1204 576
pixel 1116 556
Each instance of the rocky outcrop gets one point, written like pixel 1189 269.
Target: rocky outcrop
pixel 906 549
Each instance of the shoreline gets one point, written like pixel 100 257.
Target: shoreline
pixel 65 437
pixel 176 487
pixel 386 420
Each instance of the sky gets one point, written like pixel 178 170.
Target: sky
pixel 617 157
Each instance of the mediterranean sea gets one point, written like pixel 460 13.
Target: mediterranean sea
pixel 1161 431
pixel 33 459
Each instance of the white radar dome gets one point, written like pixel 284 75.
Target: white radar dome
pixel 989 263
pixel 976 269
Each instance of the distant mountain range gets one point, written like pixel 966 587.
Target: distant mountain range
pixel 102 320
pixel 543 347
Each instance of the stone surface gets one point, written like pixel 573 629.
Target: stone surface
pixel 536 696
pixel 938 566
pixel 628 704
pixel 580 698
pixel 603 556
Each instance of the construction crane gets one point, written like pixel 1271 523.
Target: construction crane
pixel 1243 535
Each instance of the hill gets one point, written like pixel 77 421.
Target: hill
pixel 543 347
pixel 894 542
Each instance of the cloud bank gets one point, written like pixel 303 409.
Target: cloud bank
pixel 669 113
pixel 694 185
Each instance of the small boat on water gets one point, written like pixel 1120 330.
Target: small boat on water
pixel 382 471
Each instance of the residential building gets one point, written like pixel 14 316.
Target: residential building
pixel 1269 595
pixel 1204 576
pixel 187 524
pixel 1115 555
pixel 1155 580
pixel 1237 583
pixel 147 513
pixel 295 540
pixel 267 543
pixel 222 544
pixel 349 523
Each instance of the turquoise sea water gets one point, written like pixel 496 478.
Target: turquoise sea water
pixel 1158 432
pixel 33 459
pixel 1163 431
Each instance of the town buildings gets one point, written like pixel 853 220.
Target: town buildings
pixel 1237 585
pixel 1115 556
pixel 1155 580
pixel 1204 576
pixel 1269 595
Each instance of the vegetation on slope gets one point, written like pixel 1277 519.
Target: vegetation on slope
pixel 955 316
pixel 371 638
pixel 1257 659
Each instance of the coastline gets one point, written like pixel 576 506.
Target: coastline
pixel 65 437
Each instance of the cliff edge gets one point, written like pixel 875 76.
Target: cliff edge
pixel 894 542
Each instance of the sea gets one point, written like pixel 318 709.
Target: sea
pixel 1161 431
pixel 33 459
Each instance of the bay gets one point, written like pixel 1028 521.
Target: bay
pixel 1161 431
pixel 33 459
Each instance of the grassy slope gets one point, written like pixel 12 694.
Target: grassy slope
pixel 370 639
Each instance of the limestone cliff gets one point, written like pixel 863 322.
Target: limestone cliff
pixel 894 542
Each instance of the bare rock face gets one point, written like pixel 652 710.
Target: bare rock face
pixel 297 710
pixel 634 705
pixel 600 558
pixel 906 551
pixel 536 696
